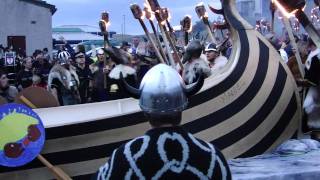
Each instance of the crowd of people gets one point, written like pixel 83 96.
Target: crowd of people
pixel 73 77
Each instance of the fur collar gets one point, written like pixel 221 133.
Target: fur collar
pixel 61 73
pixel 120 68
pixel 311 55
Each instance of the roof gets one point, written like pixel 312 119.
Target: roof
pixel 63 30
pixel 41 3
pixel 84 28
pixel 76 36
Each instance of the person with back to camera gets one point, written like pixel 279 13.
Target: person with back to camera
pixel 193 63
pixel 167 151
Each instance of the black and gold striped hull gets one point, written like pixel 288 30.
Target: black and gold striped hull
pixel 249 109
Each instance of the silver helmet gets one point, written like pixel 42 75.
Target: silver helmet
pixel 162 91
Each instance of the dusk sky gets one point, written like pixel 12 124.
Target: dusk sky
pixel 87 12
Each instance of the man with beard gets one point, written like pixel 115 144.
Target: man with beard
pixel 63 81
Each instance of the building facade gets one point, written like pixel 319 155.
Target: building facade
pixel 250 9
pixel 26 25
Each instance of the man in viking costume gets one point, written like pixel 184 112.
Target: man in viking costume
pixel 63 81
pixel 312 80
pixel 193 63
pixel 166 151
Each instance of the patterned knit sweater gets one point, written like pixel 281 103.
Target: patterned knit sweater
pixel 165 153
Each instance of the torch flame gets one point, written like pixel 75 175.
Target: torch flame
pixel 283 10
pixel 149 10
pixel 106 24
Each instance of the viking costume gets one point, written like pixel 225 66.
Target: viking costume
pixel 122 60
pixel 66 82
pixel 194 63
pixel 165 152
pixel 312 100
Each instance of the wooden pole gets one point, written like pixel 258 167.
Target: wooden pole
pixel 103 24
pixel 294 45
pixel 56 171
pixel 158 41
pixel 208 28
pixel 152 41
pixel 173 46
pixel 166 43
pixel 186 38
pixel 137 14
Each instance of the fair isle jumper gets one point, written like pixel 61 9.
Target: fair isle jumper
pixel 165 153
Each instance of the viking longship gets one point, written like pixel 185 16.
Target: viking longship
pixel 248 109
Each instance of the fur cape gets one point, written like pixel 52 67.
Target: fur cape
pixel 61 73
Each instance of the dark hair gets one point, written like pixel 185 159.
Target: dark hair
pixel 310 42
pixel 45 49
pixel 2 72
pixel 157 120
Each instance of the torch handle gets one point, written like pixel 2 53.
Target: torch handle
pixel 151 40
pixel 212 39
pixel 308 26
pixel 186 38
pixel 294 45
pixel 56 171
pixel 173 48
pixel 166 43
pixel 209 30
pixel 272 21
pixel 158 41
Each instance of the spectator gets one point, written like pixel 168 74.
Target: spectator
pixel 135 45
pixel 216 60
pixel 125 46
pixel 46 54
pixel 6 91
pixel 85 77
pixel 24 77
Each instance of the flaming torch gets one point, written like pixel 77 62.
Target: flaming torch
pixel 150 16
pixel 186 24
pixel 288 27
pixel 162 17
pixel 104 24
pixel 291 7
pixel 138 14
pixel 202 14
